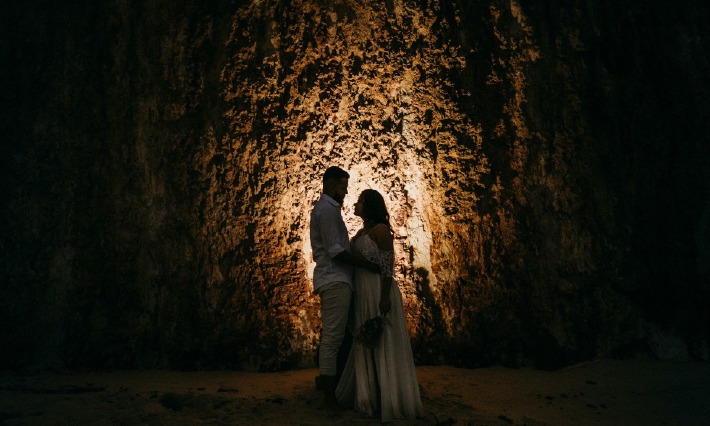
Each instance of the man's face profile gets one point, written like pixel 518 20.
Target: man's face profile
pixel 340 189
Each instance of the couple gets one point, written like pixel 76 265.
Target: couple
pixel 380 377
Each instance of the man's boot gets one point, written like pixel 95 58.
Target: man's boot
pixel 328 385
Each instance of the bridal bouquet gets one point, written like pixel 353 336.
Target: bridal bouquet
pixel 370 332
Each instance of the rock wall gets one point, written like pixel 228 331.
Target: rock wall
pixel 546 167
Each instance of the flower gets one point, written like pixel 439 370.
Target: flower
pixel 370 332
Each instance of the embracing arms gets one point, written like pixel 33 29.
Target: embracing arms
pixel 333 234
pixel 352 259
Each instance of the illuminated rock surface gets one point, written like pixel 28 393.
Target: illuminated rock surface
pixel 546 168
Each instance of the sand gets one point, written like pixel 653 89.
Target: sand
pixel 602 392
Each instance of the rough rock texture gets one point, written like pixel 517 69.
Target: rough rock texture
pixel 546 166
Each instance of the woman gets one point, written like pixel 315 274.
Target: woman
pixel 380 378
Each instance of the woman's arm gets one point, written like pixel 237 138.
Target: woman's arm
pixel 385 301
pixel 382 236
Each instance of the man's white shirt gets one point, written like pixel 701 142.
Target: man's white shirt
pixel 329 237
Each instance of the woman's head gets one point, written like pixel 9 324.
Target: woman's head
pixel 371 208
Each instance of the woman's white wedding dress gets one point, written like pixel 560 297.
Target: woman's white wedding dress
pixel 384 378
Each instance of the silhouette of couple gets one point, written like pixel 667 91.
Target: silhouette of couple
pixel 353 278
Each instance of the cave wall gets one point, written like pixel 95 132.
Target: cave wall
pixel 546 167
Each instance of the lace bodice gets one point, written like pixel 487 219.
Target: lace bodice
pixel 368 248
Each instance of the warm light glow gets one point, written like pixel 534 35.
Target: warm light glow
pixel 418 232
pixel 323 88
pixel 361 177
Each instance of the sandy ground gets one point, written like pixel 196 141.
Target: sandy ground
pixel 603 392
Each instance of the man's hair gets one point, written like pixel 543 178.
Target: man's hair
pixel 334 173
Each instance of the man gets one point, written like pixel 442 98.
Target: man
pixel 333 274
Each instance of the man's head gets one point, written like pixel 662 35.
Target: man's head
pixel 335 183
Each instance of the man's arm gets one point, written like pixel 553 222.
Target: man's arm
pixel 351 259
pixel 331 236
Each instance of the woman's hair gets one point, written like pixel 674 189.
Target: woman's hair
pixel 373 208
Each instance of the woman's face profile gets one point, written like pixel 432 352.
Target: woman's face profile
pixel 358 206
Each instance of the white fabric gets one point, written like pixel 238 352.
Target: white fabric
pixel 334 305
pixel 382 378
pixel 329 237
